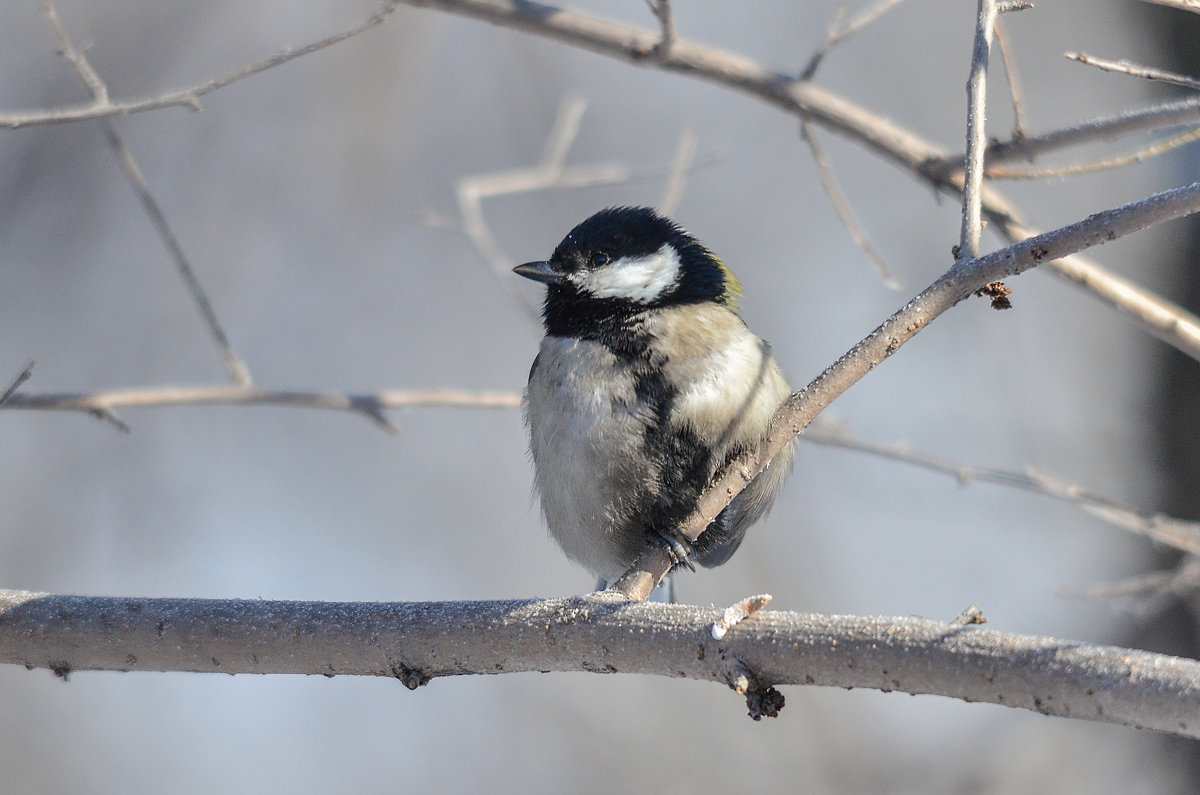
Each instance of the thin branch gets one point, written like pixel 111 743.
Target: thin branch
pixel 952 287
pixel 1145 153
pixel 837 32
pixel 972 201
pixel 235 366
pixel 1184 113
pixel 417 642
pixel 1165 529
pixel 1135 70
pixel 1166 321
pixel 1177 533
pixel 1014 86
pixel 1160 318
pixel 1182 5
pixel 1152 584
pixel 843 209
pixel 681 162
pixel 1156 589
pixel 550 173
pixel 187 97
pixel 238 372
pixel 1158 117
pixel 21 378
pixel 371 406
pixel 666 20
pixel 866 17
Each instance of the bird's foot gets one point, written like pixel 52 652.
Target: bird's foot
pixel 678 547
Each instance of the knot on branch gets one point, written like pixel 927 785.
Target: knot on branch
pixel 762 703
pixel 410 677
pixel 761 700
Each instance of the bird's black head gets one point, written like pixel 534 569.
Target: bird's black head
pixel 622 261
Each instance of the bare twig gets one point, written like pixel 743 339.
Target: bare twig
pixel 737 613
pixel 666 20
pixel 372 406
pixel 1165 529
pixel 235 366
pixel 1014 86
pixel 1161 318
pixel 1145 153
pixel 1158 117
pixel 1135 70
pixel 672 193
pixel 551 172
pixel 970 616
pixel 837 32
pixel 1177 533
pixel 21 378
pixel 1151 584
pixel 417 642
pixel 842 207
pixel 972 201
pixel 187 97
pixel 1155 589
pixel 952 287
pixel 238 372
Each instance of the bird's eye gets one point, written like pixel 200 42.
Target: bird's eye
pixel 600 259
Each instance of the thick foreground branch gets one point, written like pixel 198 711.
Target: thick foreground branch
pixel 415 642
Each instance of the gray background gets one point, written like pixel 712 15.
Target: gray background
pixel 299 195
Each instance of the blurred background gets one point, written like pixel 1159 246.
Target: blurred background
pixel 316 203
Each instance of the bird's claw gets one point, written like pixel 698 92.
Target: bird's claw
pixel 677 547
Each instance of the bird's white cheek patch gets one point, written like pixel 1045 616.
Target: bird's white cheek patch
pixel 640 279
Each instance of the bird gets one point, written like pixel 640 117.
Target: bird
pixel 646 385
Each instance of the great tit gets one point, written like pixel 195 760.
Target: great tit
pixel 646 384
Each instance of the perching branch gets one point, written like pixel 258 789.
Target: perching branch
pixel 416 642
pixel 963 279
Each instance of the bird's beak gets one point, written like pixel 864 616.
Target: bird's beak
pixel 539 271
